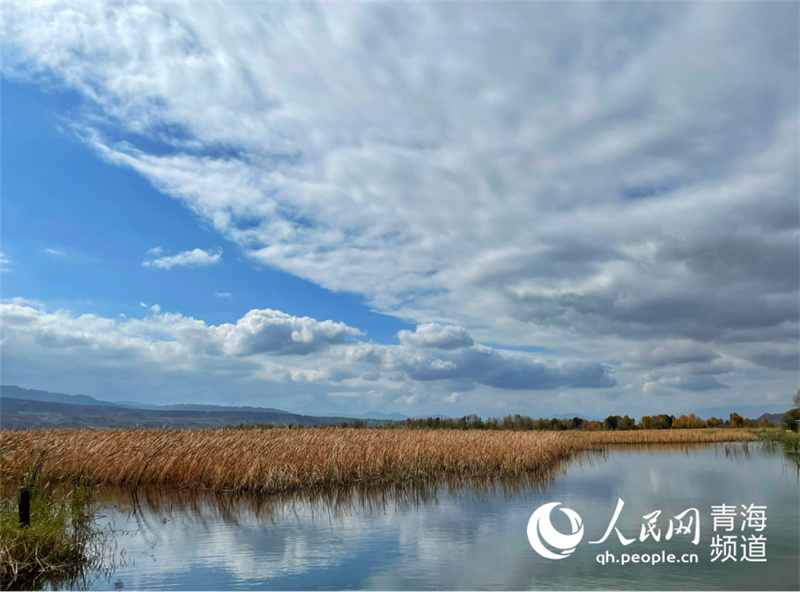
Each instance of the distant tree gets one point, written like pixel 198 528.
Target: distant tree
pixel 681 422
pixel 475 422
pixel 688 421
pixel 664 421
pixel 796 399
pixel 610 422
pixel 696 422
pixel 789 419
pixel 737 421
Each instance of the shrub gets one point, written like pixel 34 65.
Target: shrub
pixel 789 419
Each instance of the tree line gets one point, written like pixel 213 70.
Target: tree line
pixel 519 422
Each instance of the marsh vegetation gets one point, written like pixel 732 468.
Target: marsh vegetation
pixel 286 460
pixel 338 468
pixel 60 545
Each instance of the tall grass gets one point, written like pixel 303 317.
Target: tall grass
pixel 60 544
pixel 283 460
pixel 788 441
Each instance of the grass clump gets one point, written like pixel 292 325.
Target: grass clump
pixel 60 544
pixel 789 441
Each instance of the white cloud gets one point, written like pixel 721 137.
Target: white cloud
pixel 275 332
pixel 225 295
pixel 452 397
pixel 56 252
pixel 664 353
pixel 593 178
pixel 452 181
pixel 436 336
pixel 269 346
pixel 193 258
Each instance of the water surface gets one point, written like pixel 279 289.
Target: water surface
pixel 473 538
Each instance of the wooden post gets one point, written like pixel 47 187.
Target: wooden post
pixel 24 506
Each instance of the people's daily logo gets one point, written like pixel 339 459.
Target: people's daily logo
pixel 542 534
pixel 738 534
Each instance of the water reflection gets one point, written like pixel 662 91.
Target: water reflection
pixel 235 507
pixel 456 535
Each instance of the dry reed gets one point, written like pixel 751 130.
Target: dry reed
pixel 283 460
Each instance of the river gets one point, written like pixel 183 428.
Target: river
pixel 476 537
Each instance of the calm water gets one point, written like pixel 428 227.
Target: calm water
pixel 470 539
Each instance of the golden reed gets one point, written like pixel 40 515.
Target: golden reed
pixel 284 460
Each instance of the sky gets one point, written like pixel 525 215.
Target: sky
pixel 420 208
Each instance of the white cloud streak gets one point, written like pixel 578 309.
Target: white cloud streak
pixel 193 258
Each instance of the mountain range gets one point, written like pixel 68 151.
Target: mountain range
pixel 22 409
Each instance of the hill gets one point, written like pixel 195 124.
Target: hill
pixel 17 392
pixel 773 417
pixel 33 409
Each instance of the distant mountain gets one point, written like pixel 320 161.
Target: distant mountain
pixel 773 417
pixel 34 395
pixel 191 407
pixel 135 405
pixel 25 414
pixel 22 409
pixel 746 411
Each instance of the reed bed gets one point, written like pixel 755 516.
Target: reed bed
pixel 284 460
pixel 588 440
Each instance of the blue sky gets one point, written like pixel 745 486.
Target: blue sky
pixel 342 208
pixel 79 229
